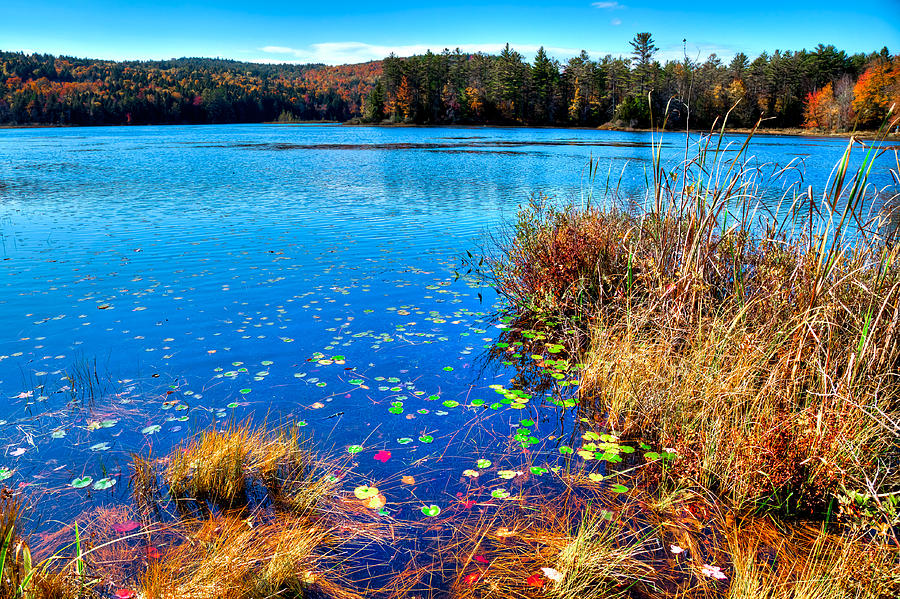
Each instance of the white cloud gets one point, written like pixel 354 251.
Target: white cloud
pixel 616 22
pixel 607 5
pixel 356 52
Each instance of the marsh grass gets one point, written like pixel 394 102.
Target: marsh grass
pixel 226 466
pixel 762 344
pixel 231 557
pixel 241 513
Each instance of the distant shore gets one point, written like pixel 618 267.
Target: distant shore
pixel 788 132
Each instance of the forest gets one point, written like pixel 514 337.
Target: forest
pixel 824 89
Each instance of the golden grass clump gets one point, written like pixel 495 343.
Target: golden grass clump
pixel 566 547
pixel 224 465
pixel 232 557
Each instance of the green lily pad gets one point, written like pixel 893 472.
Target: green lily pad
pixel 104 483
pixel 153 428
pixel 5 473
pixel 431 510
pixel 499 494
pixel 80 483
pixel 426 438
pixel 354 449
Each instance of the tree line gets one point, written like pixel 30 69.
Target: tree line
pixel 45 89
pixel 824 88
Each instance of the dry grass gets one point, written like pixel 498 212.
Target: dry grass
pixel 765 348
pixel 224 466
pixel 231 557
pixel 578 543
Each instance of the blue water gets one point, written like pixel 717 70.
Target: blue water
pixel 158 281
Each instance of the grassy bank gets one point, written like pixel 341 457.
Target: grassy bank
pixel 762 346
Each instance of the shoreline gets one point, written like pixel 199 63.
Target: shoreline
pixel 781 132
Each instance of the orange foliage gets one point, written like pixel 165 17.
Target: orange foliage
pixel 820 111
pixel 876 91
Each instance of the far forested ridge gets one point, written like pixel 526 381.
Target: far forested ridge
pixel 823 89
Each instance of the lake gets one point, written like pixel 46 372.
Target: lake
pixel 159 281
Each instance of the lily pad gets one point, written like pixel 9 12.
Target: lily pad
pixel 80 483
pixel 365 492
pixel 104 483
pixel 431 510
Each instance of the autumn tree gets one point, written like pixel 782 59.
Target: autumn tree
pixel 876 91
pixel 820 111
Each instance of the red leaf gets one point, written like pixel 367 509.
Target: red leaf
pixel 383 456
pixel 467 505
pixel 125 594
pixel 471 578
pixel 152 552
pixel 481 559
pixel 126 526
pixel 535 580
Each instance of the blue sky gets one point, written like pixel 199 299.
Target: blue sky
pixel 342 32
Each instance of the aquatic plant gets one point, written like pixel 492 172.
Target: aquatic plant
pixel 762 346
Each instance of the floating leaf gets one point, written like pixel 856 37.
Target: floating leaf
pixel 377 502
pixel 382 456
pixel 483 463
pixel 407 480
pixel 431 510
pixel 499 494
pixel 153 428
pixel 404 440
pixel 354 449
pixel 80 483
pixel 426 438
pixel 104 483
pixel 126 526
pixel 619 488
pixel 365 492
pixel 5 473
